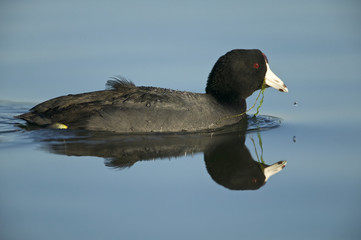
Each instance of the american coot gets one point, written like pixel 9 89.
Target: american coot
pixel 126 108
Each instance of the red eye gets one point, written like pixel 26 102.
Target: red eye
pixel 256 65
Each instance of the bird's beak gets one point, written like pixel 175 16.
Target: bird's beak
pixel 273 169
pixel 272 80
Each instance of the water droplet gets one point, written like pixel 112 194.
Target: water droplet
pixel 294 139
pixel 295 104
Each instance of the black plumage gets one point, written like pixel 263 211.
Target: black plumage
pixel 126 108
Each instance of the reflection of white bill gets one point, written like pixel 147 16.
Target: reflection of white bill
pixel 273 169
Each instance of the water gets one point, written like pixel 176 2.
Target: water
pixel 74 184
pixel 60 184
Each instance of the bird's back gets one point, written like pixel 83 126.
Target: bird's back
pixel 129 109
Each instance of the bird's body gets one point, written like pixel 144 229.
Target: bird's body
pixel 126 108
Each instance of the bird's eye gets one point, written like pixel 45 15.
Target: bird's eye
pixel 256 65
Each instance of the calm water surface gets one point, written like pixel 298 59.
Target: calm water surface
pixel 58 184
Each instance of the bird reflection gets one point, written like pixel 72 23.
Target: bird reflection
pixel 227 159
pixel 231 165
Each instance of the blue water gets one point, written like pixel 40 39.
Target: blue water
pixel 57 184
